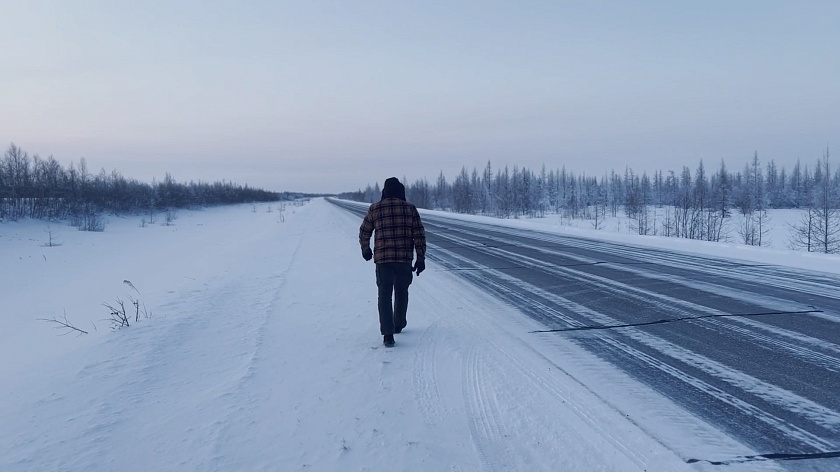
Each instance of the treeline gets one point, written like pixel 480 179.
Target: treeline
pixel 33 187
pixel 681 203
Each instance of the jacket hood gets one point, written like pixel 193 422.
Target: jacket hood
pixel 393 189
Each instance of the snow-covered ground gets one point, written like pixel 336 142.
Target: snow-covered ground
pixel 262 352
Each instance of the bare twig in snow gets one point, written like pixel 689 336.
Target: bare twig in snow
pixel 64 323
pixel 119 318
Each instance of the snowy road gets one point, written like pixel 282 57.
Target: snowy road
pixel 753 350
pixel 263 354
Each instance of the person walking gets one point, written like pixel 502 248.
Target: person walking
pixel 397 234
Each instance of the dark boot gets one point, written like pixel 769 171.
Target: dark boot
pixel 388 340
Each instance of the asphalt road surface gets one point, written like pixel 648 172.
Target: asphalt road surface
pixel 752 349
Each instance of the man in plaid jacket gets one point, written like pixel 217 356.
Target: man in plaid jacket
pixel 398 233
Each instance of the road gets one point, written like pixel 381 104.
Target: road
pixel 752 349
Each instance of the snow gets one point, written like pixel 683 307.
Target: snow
pixel 263 352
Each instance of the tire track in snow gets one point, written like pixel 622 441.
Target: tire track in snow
pixel 482 374
pixel 490 432
pixel 526 296
pixel 486 426
pixel 476 400
pixel 570 273
pixel 667 303
pixel 777 277
pixel 721 270
pixel 426 389
pixel 556 389
pixel 825 285
pixel 771 303
pixel 493 382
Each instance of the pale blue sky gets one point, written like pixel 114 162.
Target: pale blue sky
pixel 330 96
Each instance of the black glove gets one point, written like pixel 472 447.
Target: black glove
pixel 420 266
pixel 367 253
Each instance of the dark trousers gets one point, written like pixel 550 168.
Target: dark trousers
pixel 393 278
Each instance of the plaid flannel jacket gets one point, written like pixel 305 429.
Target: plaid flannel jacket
pixel 399 231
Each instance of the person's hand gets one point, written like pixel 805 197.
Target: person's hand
pixel 420 266
pixel 367 254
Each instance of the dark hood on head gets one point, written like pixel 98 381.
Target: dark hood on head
pixel 393 189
